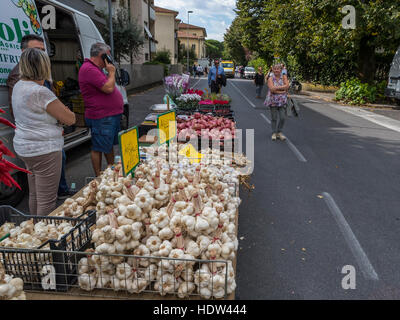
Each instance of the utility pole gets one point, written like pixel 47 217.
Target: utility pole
pixel 187 49
pixel 110 21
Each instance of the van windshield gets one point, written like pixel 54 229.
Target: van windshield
pixel 227 65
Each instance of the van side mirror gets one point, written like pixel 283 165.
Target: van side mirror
pixel 124 79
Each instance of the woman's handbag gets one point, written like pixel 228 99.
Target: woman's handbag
pixel 267 99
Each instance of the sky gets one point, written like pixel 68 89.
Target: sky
pixel 214 15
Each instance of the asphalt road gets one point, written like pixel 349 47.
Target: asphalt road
pixel 328 198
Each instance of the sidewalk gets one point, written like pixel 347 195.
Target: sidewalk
pixel 390 111
pixel 330 97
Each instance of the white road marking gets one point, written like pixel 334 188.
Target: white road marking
pixel 265 117
pixel 355 247
pixel 291 146
pixel 247 99
pixel 378 119
pixel 194 86
pixel 295 150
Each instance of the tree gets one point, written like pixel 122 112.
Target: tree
pixel 309 35
pixel 214 49
pixel 163 56
pixel 233 46
pixel 128 35
pixel 182 55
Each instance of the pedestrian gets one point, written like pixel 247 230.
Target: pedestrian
pixel 38 139
pixel 277 100
pixel 34 41
pixel 206 70
pixel 104 104
pixel 259 82
pixel 242 72
pixel 28 41
pixel 194 71
pixel 215 77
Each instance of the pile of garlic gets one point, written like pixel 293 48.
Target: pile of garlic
pixel 179 211
pixel 11 288
pixel 30 236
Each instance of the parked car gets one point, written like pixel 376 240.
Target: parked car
pixel 393 88
pixel 249 73
pixel 69 43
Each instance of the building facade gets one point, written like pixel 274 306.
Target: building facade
pixel 193 36
pixel 141 12
pixel 166 32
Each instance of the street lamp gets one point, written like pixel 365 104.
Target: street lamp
pixel 110 22
pixel 187 50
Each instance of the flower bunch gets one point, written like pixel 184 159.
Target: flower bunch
pixel 206 102
pixel 188 101
pixel 188 97
pixel 193 91
pixel 221 102
pixel 175 85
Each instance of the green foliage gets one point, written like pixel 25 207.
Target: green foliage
pixel 234 49
pixel 214 49
pixel 355 92
pixel 128 35
pixel 182 55
pixel 259 62
pixel 308 36
pixel 163 56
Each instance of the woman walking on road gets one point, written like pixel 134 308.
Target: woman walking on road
pixel 38 140
pixel 259 82
pixel 277 100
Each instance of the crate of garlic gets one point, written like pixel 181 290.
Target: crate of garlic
pixel 27 241
pixel 171 230
pixel 11 288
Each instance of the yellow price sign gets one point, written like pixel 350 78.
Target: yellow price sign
pixel 129 148
pixel 166 124
pixel 191 153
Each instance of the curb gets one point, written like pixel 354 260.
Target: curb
pixel 369 106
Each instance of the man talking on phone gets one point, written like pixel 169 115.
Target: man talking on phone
pixel 104 104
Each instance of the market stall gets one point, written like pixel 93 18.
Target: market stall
pixel 165 221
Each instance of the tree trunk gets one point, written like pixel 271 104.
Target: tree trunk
pixel 366 61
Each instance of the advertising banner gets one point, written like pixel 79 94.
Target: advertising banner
pixel 17 18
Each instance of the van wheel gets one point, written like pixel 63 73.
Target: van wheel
pixel 13 196
pixel 125 118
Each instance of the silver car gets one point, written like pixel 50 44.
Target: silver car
pixel 249 73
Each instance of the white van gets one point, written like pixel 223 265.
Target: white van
pixel 393 88
pixel 67 45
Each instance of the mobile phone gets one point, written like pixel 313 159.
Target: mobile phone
pixel 107 58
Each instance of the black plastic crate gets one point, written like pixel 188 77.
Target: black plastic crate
pixel 29 265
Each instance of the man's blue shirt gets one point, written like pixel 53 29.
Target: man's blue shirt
pixel 213 72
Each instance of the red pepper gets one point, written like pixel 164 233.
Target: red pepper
pixel 9 181
pixel 2 111
pixel 7 123
pixel 13 166
pixel 4 150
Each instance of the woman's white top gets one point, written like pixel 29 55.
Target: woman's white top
pixel 37 131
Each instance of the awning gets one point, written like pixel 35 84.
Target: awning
pixel 148 32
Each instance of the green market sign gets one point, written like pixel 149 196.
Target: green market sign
pixel 17 18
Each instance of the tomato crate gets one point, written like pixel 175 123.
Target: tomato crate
pixel 40 269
